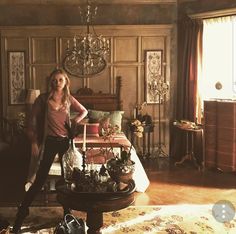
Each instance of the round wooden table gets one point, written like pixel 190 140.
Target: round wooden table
pixel 94 204
pixel 190 155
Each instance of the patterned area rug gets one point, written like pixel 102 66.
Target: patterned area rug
pixel 174 219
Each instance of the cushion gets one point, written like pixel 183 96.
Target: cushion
pixel 116 118
pixel 97 114
pixel 92 129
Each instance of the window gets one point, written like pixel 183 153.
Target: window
pixel 218 58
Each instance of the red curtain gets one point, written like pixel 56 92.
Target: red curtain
pixel 189 40
pixel 189 53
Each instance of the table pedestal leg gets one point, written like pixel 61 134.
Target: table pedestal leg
pixel 190 152
pixel 94 222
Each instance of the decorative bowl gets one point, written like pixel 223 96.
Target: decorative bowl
pixel 119 176
pixel 120 171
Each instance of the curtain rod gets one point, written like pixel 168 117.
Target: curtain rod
pixel 213 14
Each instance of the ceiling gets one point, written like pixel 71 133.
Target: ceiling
pixel 76 2
pixel 66 12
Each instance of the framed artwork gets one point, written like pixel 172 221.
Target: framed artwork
pixel 153 74
pixel 16 66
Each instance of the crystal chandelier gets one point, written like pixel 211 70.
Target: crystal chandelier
pixel 87 56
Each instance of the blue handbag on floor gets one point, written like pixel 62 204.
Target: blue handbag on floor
pixel 70 225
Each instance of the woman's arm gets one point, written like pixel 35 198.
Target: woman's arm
pixel 36 119
pixel 32 128
pixel 82 111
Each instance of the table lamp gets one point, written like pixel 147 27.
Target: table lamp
pixel 32 94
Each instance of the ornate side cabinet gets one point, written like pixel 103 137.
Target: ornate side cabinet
pixel 220 134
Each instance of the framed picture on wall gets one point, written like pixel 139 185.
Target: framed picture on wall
pixel 153 73
pixel 16 72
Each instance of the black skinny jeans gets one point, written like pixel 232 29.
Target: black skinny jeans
pixel 53 146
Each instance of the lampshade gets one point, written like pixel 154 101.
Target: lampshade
pixel 32 94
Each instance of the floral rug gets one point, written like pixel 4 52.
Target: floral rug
pixel 173 219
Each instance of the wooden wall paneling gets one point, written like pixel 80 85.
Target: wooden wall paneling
pixel 101 82
pixel 44 50
pixel 125 49
pixel 63 46
pixel 153 43
pixel 30 53
pixel 129 87
pixel 140 72
pixel 4 96
pixel 126 53
pixel 141 83
pixel 17 43
pixel 75 83
pixel 40 75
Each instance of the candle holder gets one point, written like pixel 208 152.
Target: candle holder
pixel 159 88
pixel 83 160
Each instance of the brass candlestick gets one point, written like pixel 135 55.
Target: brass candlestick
pixel 159 88
pixel 84 160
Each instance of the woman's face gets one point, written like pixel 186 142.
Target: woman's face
pixel 58 82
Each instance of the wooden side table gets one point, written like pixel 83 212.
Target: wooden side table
pixel 94 204
pixel 147 130
pixel 190 155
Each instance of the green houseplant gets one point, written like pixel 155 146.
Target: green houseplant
pixel 121 168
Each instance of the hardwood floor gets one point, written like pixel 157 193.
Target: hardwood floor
pixel 169 185
pixel 185 185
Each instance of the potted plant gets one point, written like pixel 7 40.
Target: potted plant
pixel 121 168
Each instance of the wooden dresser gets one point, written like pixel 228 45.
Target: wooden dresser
pixel 220 135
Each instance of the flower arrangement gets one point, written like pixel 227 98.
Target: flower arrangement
pixel 108 131
pixel 139 110
pixel 137 127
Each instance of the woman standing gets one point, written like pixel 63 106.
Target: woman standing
pixel 48 135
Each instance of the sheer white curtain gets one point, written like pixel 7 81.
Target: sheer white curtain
pixel 218 58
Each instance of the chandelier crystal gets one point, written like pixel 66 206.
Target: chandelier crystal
pixel 87 56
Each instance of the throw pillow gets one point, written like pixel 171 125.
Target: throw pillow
pixel 96 115
pixel 116 118
pixel 92 129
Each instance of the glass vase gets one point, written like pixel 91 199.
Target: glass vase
pixel 71 159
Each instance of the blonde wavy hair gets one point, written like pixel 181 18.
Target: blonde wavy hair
pixel 66 89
